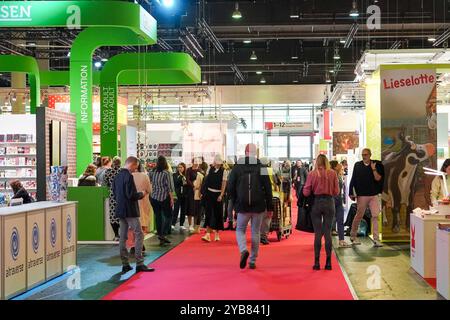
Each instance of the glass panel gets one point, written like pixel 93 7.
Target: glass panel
pixel 300 147
pixel 277 146
pixel 299 115
pixel 247 116
pixel 275 115
pixel 258 121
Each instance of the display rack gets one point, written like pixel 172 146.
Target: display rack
pixel 17 161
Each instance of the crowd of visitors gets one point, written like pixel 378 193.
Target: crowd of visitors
pixel 230 195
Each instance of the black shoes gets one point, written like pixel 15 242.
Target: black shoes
pixel 328 264
pixel 264 241
pixel 252 265
pixel 144 268
pixel 132 251
pixel 143 248
pixel 316 265
pixel 126 268
pixel 244 257
pixel 167 240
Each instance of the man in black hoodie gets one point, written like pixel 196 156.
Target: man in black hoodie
pixel 127 210
pixel 251 191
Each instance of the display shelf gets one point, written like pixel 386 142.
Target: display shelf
pixel 17 143
pixel 18 166
pixel 18 155
pixel 19 178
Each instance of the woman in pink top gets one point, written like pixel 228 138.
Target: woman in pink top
pixel 323 183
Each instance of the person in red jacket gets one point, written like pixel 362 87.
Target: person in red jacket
pixel 323 183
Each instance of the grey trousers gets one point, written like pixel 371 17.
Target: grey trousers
pixel 241 228
pixel 135 225
pixel 322 214
pixel 265 225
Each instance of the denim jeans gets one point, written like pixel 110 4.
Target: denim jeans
pixel 180 204
pixel 241 228
pixel 135 225
pixel 163 216
pixel 322 214
pixel 230 209
pixel 265 225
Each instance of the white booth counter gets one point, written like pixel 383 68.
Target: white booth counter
pixel 37 243
pixel 443 263
pixel 423 242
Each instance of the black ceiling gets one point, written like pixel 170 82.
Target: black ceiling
pixel 275 36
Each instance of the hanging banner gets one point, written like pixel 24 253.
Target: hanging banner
pixel 408 143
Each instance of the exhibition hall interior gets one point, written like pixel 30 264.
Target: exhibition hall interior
pixel 225 150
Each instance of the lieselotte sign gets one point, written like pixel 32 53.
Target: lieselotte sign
pixel 408 82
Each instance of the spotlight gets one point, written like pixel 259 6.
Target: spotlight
pixel 253 56
pixel 237 14
pixel 247 41
pixel 354 13
pixel 431 39
pixel 336 54
pixel 104 59
pixel 68 54
pixel 168 3
pixel 258 72
pixel 263 80
pixel 97 64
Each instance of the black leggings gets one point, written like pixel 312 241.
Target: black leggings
pixel 180 203
pixel 322 214
pixel 115 227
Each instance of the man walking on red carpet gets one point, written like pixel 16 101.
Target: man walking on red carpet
pixel 127 210
pixel 250 188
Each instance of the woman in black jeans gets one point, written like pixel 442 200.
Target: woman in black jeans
pixel 322 182
pixel 180 183
pixel 162 198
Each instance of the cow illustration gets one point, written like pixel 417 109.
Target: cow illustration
pixel 400 177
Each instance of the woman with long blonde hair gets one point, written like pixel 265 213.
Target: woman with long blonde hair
pixel 322 182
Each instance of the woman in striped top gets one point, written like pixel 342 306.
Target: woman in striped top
pixel 162 198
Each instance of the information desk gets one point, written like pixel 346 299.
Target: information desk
pixel 38 242
pixel 423 243
pixel 443 263
pixel 91 212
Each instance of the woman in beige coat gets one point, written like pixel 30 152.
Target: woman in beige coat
pixel 143 184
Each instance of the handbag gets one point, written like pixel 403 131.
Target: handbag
pixel 304 221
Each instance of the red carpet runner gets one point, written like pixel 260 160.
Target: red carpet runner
pixel 210 271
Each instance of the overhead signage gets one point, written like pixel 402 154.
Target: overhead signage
pixel 293 126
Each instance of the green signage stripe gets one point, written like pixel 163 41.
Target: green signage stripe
pixel 77 14
pixel 62 78
pixel 138 68
pixel 11 63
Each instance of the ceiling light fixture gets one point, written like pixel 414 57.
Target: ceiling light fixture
pixel 327 78
pixel 237 14
pixel 258 72
pixel 431 39
pixel 253 56
pixel 294 57
pixel 336 54
pixel 263 80
pixel 97 64
pixel 247 41
pixel 354 13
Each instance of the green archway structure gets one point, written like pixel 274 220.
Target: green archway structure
pixel 12 63
pixel 138 68
pixel 111 23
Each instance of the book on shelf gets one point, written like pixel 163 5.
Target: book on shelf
pixel 444 226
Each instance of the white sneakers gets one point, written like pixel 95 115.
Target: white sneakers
pixel 207 237
pixel 191 229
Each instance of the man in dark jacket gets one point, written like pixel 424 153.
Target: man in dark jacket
pixel 365 186
pixel 250 188
pixel 127 210
pixel 299 177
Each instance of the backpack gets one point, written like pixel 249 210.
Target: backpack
pixel 250 192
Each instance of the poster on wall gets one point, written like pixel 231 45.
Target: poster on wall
pixel 344 141
pixel 408 144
